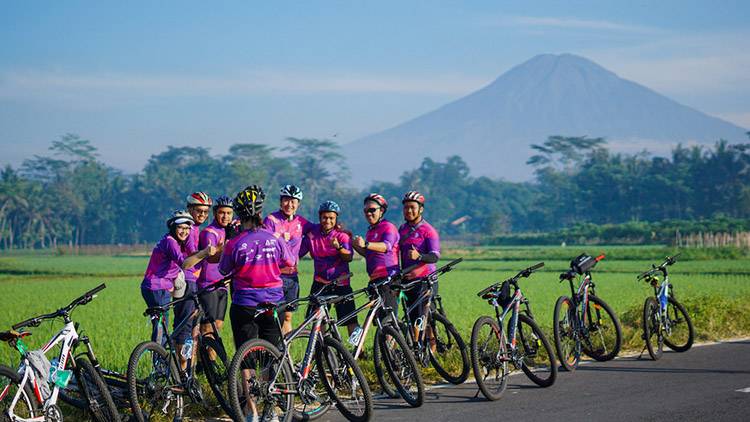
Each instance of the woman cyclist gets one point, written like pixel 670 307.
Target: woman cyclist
pixel 168 258
pixel 330 247
pixel 419 245
pixel 286 224
pixel 215 301
pixel 379 246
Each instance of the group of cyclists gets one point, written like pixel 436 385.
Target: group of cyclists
pixel 260 257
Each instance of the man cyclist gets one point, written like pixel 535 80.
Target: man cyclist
pixel 379 246
pixel 419 245
pixel 286 224
pixel 215 301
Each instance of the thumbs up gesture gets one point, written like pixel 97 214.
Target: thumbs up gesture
pixel 414 253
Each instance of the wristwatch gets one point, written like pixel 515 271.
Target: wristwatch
pixel 367 243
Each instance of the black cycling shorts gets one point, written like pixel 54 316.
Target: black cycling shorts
pixel 245 326
pixel 214 305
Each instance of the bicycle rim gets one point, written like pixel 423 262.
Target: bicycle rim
pixel 489 357
pixel 153 383
pixel 567 343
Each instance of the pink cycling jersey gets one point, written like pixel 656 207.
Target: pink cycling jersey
pixel 425 239
pixel 382 264
pixel 278 223
pixel 213 235
pixel 192 273
pixel 164 265
pixel 327 260
pixel 255 257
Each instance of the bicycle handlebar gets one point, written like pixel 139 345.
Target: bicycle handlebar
pixel 670 260
pixel 523 273
pixel 84 299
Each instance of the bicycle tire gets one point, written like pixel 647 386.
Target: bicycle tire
pixel 215 369
pixel 652 326
pixel 9 383
pixel 100 405
pixel 152 383
pixel 314 410
pixel 599 329
pixel 688 343
pixel 249 355
pixel 530 339
pixel 342 376
pixel 401 366
pixel 388 388
pixel 446 349
pixel 567 344
pixel 489 353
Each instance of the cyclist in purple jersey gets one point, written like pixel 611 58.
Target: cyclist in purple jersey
pixel 215 301
pixel 380 245
pixel 254 258
pixel 168 259
pixel 419 245
pixel 330 247
pixel 286 224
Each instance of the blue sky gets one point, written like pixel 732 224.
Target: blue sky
pixel 134 77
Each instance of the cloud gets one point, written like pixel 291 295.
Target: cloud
pixel 566 23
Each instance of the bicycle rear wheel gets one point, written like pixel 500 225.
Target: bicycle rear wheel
pixel 450 357
pixel 26 407
pixel 255 367
pixel 401 366
pixel 652 329
pixel 214 361
pixel 343 380
pixel 567 344
pixel 680 335
pixel 489 357
pixel 535 353
pixel 98 398
pixel 603 332
pixel 389 389
pixel 153 383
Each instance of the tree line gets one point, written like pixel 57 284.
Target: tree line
pixel 70 197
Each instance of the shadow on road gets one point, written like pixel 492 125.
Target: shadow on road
pixel 663 370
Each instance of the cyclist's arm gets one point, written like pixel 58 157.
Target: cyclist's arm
pixel 194 259
pixel 432 246
pixel 345 251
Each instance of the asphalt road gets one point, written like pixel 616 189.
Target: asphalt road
pixel 708 382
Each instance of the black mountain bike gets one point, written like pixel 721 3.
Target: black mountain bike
pixel 665 320
pixel 520 342
pixel 583 322
pixel 157 384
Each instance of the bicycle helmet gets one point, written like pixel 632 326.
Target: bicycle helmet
pixel 223 201
pixel 329 206
pixel 249 202
pixel 378 199
pixel 292 191
pixel 413 196
pixel 198 198
pixel 180 217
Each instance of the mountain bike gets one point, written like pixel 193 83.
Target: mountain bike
pixel 157 385
pixel 32 399
pixel 583 322
pixel 432 338
pixel 266 379
pixel 665 320
pixel 495 344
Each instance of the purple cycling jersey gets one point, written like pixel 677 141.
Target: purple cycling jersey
pixel 327 261
pixel 279 224
pixel 164 264
pixel 213 235
pixel 424 238
pixel 191 245
pixel 255 257
pixel 382 264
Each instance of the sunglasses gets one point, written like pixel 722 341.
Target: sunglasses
pixel 371 210
pixel 201 212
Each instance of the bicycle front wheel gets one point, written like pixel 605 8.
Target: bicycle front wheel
pixel 214 361
pixel 489 357
pixel 567 344
pixel 401 366
pixel 448 353
pixel 153 383
pixel 343 380
pixel 603 332
pixel 260 382
pixel 679 337
pixel 98 399
pixel 535 353
pixel 652 329
pixel 313 401
pixel 26 407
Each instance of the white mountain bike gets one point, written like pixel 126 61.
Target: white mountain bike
pixel 25 396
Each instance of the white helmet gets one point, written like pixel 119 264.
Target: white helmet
pixel 292 191
pixel 180 217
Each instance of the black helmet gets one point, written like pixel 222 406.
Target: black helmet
pixel 249 202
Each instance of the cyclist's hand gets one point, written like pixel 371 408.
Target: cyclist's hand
pixel 359 242
pixel 213 250
pixel 335 243
pixel 414 253
pixel 287 236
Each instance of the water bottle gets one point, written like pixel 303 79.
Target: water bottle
pixel 187 349
pixel 354 338
pixel 59 377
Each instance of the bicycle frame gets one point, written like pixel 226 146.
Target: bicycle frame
pixel 514 308
pixel 375 304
